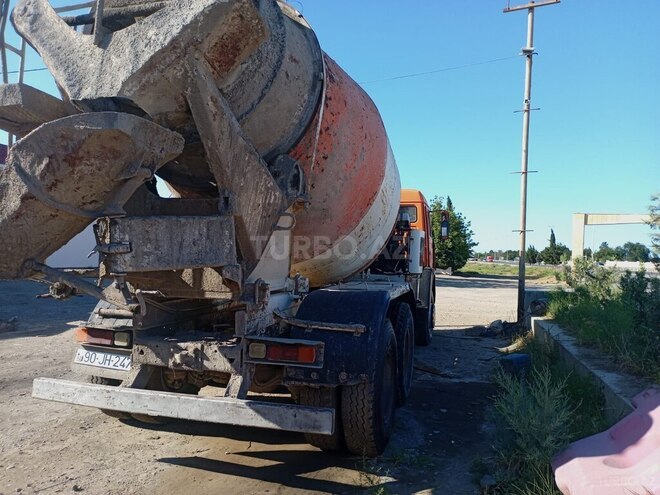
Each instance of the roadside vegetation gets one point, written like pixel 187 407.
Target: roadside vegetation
pixel 538 415
pixel 630 251
pixel 545 274
pixel 553 254
pixel 654 223
pixel 620 317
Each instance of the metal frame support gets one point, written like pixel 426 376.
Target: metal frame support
pixel 4 46
pixel 21 51
pixel 528 52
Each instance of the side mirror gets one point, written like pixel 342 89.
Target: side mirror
pixel 444 225
pixel 404 221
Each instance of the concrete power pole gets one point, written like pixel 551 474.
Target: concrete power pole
pixel 528 52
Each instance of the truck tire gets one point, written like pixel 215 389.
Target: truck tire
pixel 100 380
pixel 424 323
pixel 404 329
pixel 367 409
pixel 323 397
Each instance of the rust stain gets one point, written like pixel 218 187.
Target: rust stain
pixel 350 159
pixel 243 34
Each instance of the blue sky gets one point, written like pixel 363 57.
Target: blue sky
pixel 595 141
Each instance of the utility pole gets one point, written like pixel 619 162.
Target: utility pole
pixel 528 52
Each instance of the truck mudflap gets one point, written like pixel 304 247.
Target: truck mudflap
pixel 222 410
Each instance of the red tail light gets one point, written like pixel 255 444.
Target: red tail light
pixel 293 353
pixel 94 336
pixel 99 336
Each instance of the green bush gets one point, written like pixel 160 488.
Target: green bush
pixel 622 319
pixel 538 413
pixel 643 293
pixel 539 416
pixel 598 282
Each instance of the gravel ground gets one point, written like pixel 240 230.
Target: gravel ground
pixel 49 448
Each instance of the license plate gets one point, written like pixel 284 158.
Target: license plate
pixel 103 359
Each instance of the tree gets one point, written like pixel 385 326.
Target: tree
pixel 654 223
pixel 532 254
pixel 554 253
pixel 454 251
pixel 605 252
pixel 587 253
pixel 619 253
pixel 510 254
pixel 635 251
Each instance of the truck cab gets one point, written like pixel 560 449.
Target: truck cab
pixel 415 205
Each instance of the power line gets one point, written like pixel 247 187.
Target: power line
pixel 27 70
pixel 393 78
pixel 444 69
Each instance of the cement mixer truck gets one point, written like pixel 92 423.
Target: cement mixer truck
pixel 285 259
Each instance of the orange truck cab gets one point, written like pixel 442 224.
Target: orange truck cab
pixel 415 205
pixel 408 256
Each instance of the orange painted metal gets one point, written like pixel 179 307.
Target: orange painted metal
pixel 413 197
pixel 344 160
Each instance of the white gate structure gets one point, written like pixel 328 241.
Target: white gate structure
pixel 580 220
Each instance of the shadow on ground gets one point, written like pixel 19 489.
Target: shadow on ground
pixel 439 435
pixel 287 468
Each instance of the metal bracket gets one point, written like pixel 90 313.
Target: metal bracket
pixel 309 325
pixel 139 295
pixel 138 377
pixel 55 275
pixel 239 385
pixel 114 248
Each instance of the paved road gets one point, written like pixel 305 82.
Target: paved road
pixel 49 448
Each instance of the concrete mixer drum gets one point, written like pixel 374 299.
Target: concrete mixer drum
pixel 264 267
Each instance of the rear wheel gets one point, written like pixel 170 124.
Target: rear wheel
pixel 323 397
pixel 424 323
pixel 367 409
pixel 404 329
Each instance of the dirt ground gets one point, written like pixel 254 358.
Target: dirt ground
pixel 48 448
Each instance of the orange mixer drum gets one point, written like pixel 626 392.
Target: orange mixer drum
pixel 352 183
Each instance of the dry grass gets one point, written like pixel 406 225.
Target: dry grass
pixel 538 274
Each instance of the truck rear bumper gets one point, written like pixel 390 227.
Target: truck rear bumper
pixel 223 410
